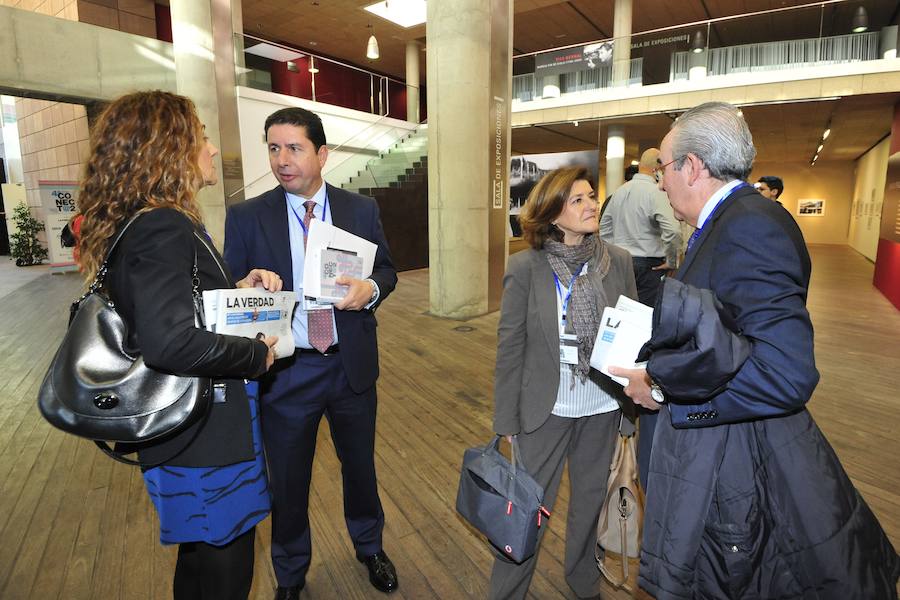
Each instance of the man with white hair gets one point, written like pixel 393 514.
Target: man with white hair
pixel 746 497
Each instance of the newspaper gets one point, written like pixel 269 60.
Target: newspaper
pixel 252 312
pixel 624 329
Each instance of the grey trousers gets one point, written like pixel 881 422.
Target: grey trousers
pixel 587 443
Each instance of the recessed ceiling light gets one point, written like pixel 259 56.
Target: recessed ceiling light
pixel 405 13
pixel 274 52
pixel 312 43
pixel 826 134
pixel 819 149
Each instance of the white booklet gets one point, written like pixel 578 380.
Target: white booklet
pixel 251 312
pixel 624 329
pixel 334 264
pixel 324 237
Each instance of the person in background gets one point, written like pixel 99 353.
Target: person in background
pixel 770 187
pixel 545 392
pixel 149 157
pixel 641 221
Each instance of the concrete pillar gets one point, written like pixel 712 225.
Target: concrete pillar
pixel 550 86
pixel 887 42
pixel 615 158
pixel 468 153
pixel 697 65
pixel 204 46
pixel 412 81
pixel 622 42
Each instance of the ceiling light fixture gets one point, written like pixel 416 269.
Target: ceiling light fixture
pixel 819 149
pixel 860 20
pixel 575 123
pixel 372 52
pixel 826 134
pixel 699 43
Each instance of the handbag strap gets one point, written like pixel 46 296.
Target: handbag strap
pixel 515 453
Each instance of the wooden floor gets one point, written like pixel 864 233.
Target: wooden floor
pixel 74 524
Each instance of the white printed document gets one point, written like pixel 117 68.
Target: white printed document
pixel 316 268
pixel 624 329
pixel 249 312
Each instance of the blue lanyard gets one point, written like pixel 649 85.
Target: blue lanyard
pixel 565 301
pixel 742 184
pixel 300 220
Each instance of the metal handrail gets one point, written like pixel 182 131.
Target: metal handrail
pixel 330 149
pixel 325 58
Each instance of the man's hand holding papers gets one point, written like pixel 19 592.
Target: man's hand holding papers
pixel 624 329
pixel 326 247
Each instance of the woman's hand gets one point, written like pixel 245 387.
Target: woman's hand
pixel 269 280
pixel 270 341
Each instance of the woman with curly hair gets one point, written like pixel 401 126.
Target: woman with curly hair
pixel 149 157
pixel 545 392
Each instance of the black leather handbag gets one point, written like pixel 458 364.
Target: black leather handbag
pixel 97 390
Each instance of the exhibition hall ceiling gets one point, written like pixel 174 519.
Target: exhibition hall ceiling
pixel 341 28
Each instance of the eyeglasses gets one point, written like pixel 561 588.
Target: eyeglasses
pixel 660 169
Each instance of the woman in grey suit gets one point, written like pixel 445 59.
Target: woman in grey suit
pixel 545 392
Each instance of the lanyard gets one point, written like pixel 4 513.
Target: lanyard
pixel 565 301
pixel 300 220
pixel 731 192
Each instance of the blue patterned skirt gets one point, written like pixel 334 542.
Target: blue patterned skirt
pixel 212 504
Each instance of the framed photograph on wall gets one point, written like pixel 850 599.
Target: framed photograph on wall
pixel 810 207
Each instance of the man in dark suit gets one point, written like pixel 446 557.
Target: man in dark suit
pixel 335 365
pixel 746 497
pixel 751 253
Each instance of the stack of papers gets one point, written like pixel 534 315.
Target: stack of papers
pixel 252 313
pixel 330 253
pixel 624 329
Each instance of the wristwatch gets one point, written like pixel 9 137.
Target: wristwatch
pixel 657 394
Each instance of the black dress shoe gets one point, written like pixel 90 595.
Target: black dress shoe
pixel 288 593
pixel 382 574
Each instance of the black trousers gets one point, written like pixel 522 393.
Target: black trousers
pixel 305 388
pixel 649 283
pixel 207 572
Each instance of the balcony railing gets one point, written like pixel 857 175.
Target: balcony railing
pixel 526 88
pixel 789 54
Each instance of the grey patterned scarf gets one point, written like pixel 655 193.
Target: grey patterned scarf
pixel 583 311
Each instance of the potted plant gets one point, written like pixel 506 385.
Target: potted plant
pixel 25 247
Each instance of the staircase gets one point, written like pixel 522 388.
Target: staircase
pixel 398 180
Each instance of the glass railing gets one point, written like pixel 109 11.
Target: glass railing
pixel 276 67
pixel 811 35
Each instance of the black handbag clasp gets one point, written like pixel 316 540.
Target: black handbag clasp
pixel 106 401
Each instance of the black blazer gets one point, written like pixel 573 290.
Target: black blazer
pixel 150 281
pixel 256 236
